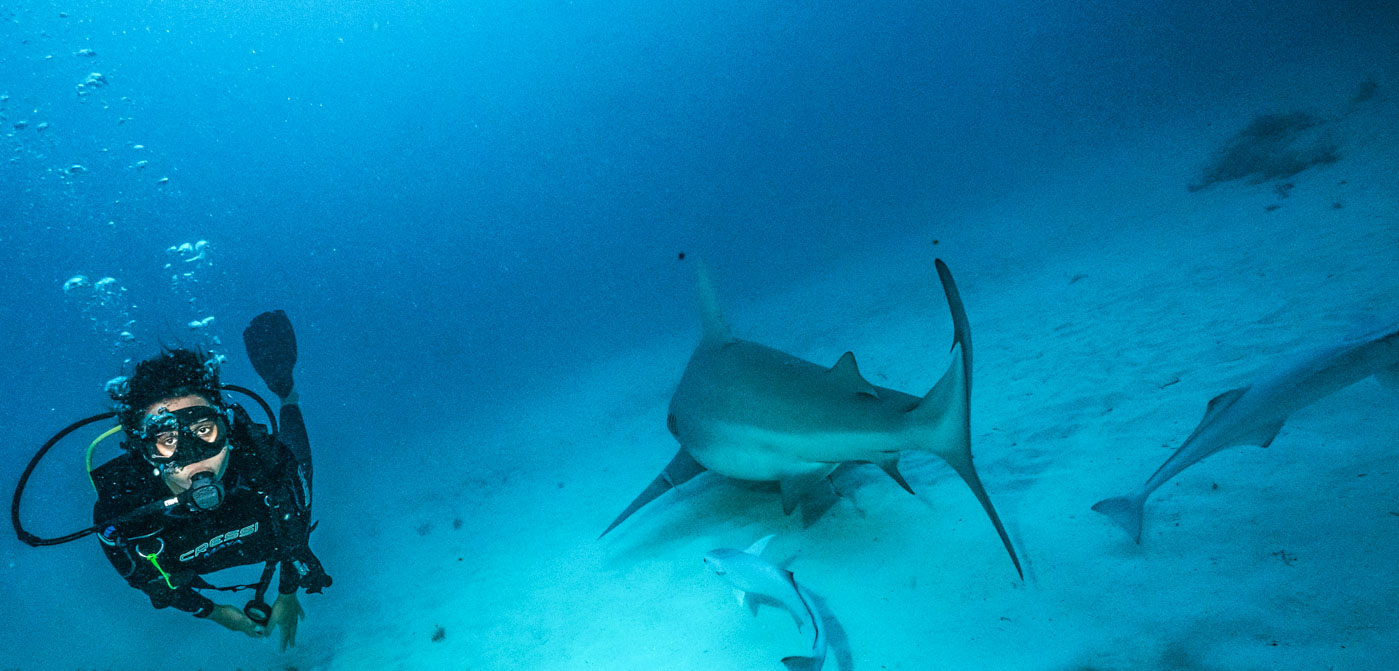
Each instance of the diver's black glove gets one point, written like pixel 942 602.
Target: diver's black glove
pixel 316 581
pixel 313 577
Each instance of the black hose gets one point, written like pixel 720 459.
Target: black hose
pixel 271 416
pixel 25 536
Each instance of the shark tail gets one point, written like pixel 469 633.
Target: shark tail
pixel 1126 511
pixel 818 643
pixel 961 328
pixel 941 422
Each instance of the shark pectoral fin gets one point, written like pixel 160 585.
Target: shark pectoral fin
pixel 745 602
pixel 890 464
pixel 682 468
pixel 1263 436
pixel 847 374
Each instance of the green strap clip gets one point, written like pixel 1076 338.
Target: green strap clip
pixel 153 558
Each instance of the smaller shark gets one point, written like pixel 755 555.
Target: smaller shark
pixel 1253 415
pixel 752 576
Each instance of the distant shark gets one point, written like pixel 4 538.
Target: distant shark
pixel 1253 415
pixel 751 575
pixel 753 413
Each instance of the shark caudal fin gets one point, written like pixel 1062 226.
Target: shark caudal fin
pixel 941 422
pixel 961 328
pixel 1126 511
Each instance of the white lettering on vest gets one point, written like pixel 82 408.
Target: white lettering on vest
pixel 218 540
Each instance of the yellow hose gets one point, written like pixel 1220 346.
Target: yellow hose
pixel 93 447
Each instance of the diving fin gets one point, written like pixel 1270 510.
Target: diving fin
pixel 271 346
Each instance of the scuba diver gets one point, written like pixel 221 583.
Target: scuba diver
pixel 200 487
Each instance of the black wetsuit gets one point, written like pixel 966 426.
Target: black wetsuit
pixel 264 517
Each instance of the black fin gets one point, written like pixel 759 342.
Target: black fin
pixel 271 345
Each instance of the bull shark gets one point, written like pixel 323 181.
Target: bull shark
pixel 751 576
pixel 1254 414
pixel 752 412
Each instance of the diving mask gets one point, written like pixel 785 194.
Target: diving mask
pixel 177 438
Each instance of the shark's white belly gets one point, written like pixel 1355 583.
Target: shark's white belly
pixel 752 453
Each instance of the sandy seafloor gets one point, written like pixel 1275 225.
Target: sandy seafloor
pixel 1098 342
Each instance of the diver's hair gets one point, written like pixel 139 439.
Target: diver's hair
pixel 170 374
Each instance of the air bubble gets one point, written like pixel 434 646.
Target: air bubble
pixel 77 283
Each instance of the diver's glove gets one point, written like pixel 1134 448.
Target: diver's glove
pixel 310 575
pixel 316 580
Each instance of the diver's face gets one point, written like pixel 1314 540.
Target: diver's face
pixel 178 478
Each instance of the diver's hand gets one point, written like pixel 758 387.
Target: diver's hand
pixel 286 611
pixel 235 620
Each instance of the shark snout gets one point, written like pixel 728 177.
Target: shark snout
pixel 714 565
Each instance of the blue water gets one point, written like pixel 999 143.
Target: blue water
pixel 461 204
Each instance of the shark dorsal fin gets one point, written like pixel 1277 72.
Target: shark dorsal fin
pixel 756 549
pixel 716 329
pixel 1222 401
pixel 847 374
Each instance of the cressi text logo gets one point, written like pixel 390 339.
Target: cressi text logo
pixel 218 540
